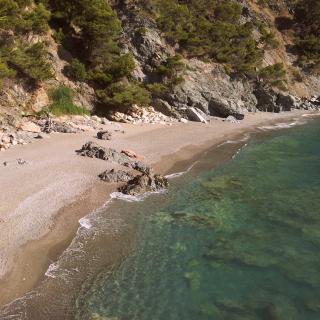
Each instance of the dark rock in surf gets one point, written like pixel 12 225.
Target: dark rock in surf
pixel 145 183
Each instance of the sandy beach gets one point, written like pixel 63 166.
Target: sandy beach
pixel 42 201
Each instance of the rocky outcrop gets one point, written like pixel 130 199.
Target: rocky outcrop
pixel 208 88
pixel 206 83
pixel 93 150
pixel 116 176
pixel 144 184
pixel 271 101
pixel 143 39
pixel 226 108
pixel 138 115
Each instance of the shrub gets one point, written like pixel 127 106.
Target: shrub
pixel 62 103
pixel 32 61
pixel 77 70
pixel 5 72
pixel 124 95
pixel 274 75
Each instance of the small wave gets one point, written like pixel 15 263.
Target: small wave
pixel 179 174
pixel 129 198
pixel 279 126
pixel 246 137
pixel 311 115
pixel 239 150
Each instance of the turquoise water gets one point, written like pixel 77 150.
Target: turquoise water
pixel 236 242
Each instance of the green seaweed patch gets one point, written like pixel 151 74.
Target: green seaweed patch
pixel 194 280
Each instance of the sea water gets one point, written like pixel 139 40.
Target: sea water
pixel 240 240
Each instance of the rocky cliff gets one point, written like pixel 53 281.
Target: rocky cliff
pixel 206 88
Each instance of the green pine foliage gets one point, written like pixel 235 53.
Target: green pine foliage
pixel 18 18
pixel 32 62
pixel 274 76
pixel 208 29
pixel 122 95
pixel 307 18
pixel 96 27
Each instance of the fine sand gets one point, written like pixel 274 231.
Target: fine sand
pixel 42 201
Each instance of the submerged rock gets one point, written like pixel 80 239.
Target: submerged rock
pixel 145 183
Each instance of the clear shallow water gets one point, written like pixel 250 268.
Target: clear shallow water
pixel 237 241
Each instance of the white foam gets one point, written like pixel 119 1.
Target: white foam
pixel 308 115
pixel 279 126
pixel 129 198
pixel 246 137
pixel 179 174
pixel 85 223
pixel 52 268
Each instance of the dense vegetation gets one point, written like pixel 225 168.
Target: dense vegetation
pixel 90 29
pixel 307 18
pixel 17 56
pixel 209 30
pixel 62 102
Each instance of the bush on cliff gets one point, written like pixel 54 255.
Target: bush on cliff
pixel 62 103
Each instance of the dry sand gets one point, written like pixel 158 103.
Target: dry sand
pixel 42 201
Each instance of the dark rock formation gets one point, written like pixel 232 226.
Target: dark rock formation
pixel 224 108
pixel 93 150
pixel 104 135
pixel 267 100
pixel 116 176
pixel 145 183
pixel 286 102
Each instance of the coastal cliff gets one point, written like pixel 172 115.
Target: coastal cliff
pixel 184 59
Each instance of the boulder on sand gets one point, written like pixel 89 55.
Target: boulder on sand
pixel 104 135
pixel 93 150
pixel 197 115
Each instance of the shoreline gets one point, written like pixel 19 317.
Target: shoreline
pixel 33 258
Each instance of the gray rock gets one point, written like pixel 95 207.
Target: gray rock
pixel 197 115
pixel 116 176
pixel 224 108
pixel 93 150
pixel 145 183
pixel 55 126
pixel 104 135
pixel 232 119
pixel 286 102
pixel 165 108
pixel 267 100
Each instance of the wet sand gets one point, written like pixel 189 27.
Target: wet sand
pixel 41 202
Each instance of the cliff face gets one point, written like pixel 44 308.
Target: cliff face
pixel 205 88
